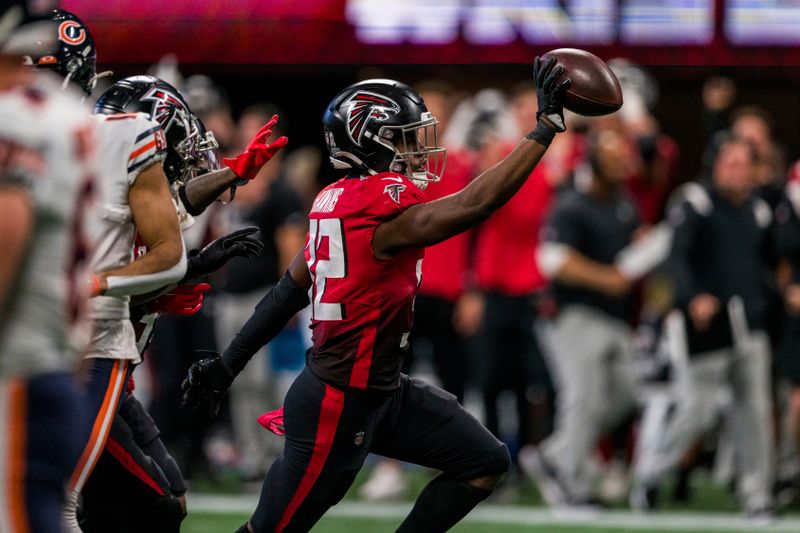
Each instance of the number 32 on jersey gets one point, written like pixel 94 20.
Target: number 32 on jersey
pixel 327 259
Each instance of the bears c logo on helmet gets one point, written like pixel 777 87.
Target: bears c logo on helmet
pixel 71 32
pixel 364 107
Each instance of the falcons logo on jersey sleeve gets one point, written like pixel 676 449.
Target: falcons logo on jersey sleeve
pixel 394 189
pixel 365 107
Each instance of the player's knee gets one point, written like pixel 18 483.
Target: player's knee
pixel 494 466
pixel 499 462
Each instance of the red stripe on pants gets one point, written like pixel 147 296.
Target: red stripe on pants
pixel 330 411
pixel 127 461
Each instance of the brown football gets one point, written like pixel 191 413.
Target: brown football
pixel 595 89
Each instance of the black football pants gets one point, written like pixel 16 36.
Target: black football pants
pixel 329 433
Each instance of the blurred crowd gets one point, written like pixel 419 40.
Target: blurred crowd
pixel 615 323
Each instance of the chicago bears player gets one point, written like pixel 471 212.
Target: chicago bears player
pixel 45 194
pixel 361 270
pixel 134 199
pixel 134 459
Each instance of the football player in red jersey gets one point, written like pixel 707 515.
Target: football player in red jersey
pixel 361 270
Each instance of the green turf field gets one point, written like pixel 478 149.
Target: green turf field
pixel 517 508
pixel 228 523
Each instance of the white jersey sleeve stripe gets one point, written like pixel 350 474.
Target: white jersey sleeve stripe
pixel 143 160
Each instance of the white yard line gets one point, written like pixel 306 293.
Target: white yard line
pixel 521 515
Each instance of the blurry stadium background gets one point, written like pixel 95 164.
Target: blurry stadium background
pixel 686 65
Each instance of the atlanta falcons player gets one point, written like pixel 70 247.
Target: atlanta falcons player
pixel 46 176
pixel 361 270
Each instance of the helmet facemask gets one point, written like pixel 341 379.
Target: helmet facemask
pixel 417 152
pixel 197 152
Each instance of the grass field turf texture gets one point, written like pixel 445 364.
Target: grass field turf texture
pixel 519 510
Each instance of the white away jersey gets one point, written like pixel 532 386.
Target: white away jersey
pixel 46 146
pixel 127 144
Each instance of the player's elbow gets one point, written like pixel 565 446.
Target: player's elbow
pixel 172 260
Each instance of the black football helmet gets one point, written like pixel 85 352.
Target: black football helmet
pixel 383 125
pixel 190 148
pixel 72 55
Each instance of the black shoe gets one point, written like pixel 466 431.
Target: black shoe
pixel 682 493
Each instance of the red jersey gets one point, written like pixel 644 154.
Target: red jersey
pixel 506 247
pixel 361 305
pixel 446 263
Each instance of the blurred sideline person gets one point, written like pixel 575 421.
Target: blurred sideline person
pixel 46 186
pixel 362 264
pixel 270 204
pixel 505 349
pixel 718 268
pixel 589 339
pixel 787 222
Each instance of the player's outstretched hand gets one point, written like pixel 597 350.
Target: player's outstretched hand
pixel 183 300
pixel 206 384
pixel 247 164
pixel 549 93
pixel 240 243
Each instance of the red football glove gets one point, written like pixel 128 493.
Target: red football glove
pixel 247 164
pixel 273 421
pixel 183 300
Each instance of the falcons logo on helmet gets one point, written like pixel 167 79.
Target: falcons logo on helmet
pixel 164 103
pixel 364 107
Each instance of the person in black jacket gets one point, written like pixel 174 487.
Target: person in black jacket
pixel 720 272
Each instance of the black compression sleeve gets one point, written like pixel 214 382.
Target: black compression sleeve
pixel 192 210
pixel 270 316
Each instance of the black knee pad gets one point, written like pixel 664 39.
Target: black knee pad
pixel 497 463
pixel 492 461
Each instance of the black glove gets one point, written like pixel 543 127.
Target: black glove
pixel 207 383
pixel 218 252
pixel 549 94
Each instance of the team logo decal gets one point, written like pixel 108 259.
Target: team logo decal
pixel 394 191
pixel 364 107
pixel 71 32
pixel 164 103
